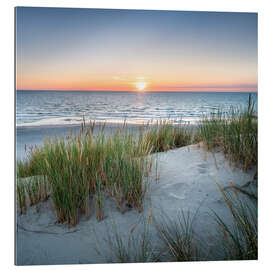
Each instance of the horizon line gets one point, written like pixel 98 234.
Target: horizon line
pixel 144 91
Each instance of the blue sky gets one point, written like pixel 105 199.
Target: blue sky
pixel 102 49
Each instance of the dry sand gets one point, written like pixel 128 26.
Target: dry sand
pixel 185 184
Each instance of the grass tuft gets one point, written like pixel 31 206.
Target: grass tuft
pixel 21 197
pixel 178 237
pixel 130 248
pixel 240 239
pixel 85 165
pixel 234 132
pixel 163 136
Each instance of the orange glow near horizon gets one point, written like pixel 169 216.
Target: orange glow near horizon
pixel 155 81
pixel 132 50
pixel 140 76
pixel 141 86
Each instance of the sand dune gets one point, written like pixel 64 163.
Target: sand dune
pixel 185 183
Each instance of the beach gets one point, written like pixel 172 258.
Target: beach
pixel 186 182
pixel 107 187
pixel 105 192
pixel 136 136
pixel 30 136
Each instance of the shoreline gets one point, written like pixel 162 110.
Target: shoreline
pixel 173 121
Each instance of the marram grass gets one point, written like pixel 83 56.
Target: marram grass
pixel 236 240
pixel 235 133
pixel 132 247
pixel 178 237
pixel 85 166
pixel 239 240
pixel 21 196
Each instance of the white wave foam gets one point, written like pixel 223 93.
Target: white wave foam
pixel 65 121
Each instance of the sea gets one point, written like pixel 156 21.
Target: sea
pixel 49 108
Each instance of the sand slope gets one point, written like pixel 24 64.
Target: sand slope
pixel 185 183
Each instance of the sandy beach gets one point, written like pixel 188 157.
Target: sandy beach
pixel 136 135
pixel 35 135
pixel 186 182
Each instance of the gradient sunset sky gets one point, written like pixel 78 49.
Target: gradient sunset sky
pixel 99 49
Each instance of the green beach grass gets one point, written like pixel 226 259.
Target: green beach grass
pixel 80 169
pixel 239 241
pixel 178 237
pixel 83 169
pixel 130 248
pixel 234 132
pixel 236 241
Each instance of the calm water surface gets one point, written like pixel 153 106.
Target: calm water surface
pixel 38 108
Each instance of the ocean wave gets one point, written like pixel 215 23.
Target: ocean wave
pixel 64 108
pixel 63 121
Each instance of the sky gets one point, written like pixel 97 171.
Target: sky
pixel 135 50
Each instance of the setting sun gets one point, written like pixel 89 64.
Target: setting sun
pixel 141 85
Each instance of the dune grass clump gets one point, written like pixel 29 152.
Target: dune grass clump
pixel 129 248
pixel 21 196
pixel 234 132
pixel 163 136
pixel 83 166
pixel 91 165
pixel 178 237
pixel 36 189
pixel 240 239
pixel 31 165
